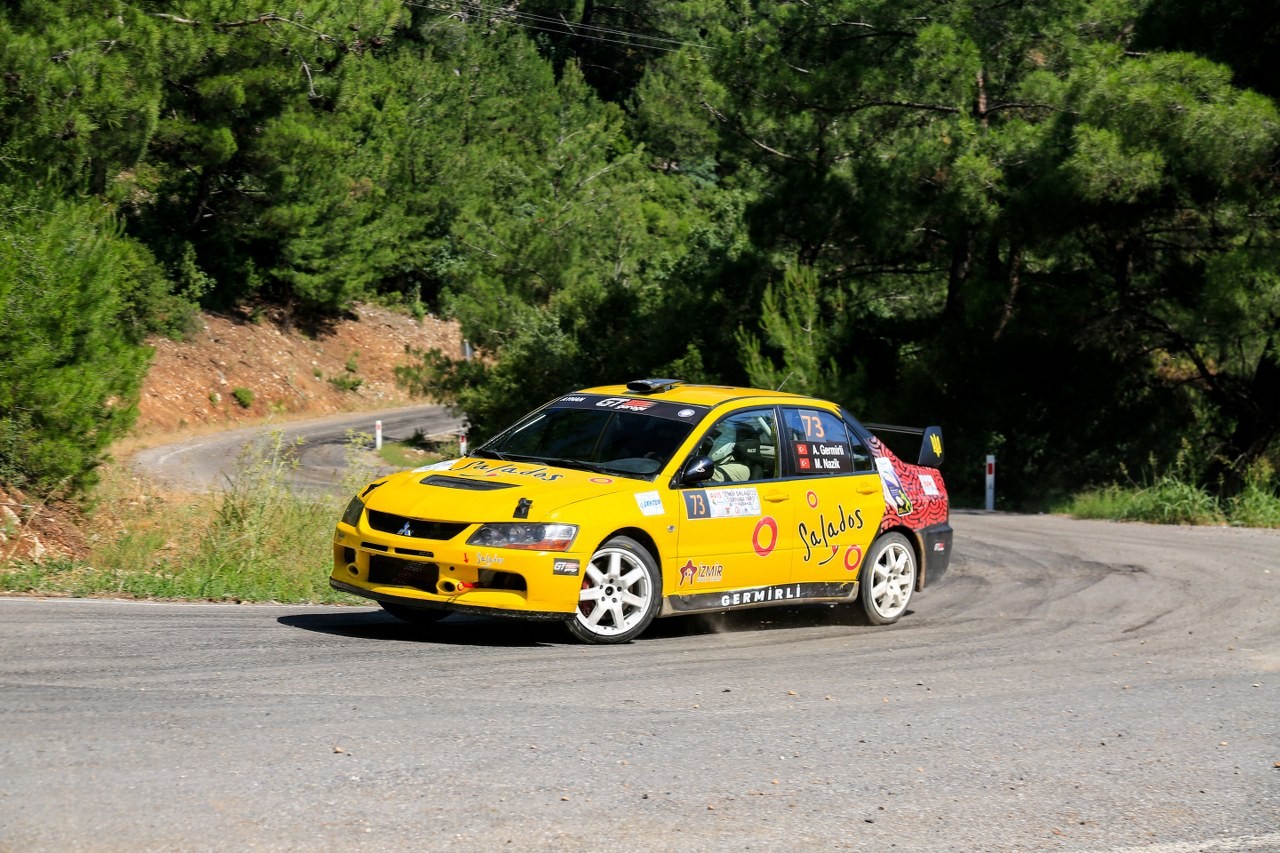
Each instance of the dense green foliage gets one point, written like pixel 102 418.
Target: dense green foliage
pixel 71 362
pixel 1049 226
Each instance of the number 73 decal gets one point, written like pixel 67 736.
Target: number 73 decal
pixel 721 503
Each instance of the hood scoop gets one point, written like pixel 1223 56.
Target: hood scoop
pixel 464 484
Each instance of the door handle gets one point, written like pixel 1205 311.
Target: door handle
pixel 868 489
pixel 777 497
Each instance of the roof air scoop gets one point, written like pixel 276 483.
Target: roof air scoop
pixel 653 386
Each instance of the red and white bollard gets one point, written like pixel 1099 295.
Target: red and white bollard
pixel 377 435
pixel 991 483
pixel 462 444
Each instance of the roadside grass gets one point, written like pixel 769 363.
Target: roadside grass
pixel 1258 505
pixel 254 540
pixel 1173 498
pixel 418 450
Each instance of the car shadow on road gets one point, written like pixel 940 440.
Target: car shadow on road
pixel 454 630
pixel 468 630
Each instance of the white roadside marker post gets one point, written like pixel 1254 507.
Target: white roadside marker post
pixel 377 435
pixel 991 483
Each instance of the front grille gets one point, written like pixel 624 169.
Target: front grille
pixel 415 527
pixel 395 572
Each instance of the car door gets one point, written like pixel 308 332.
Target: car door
pixel 735 530
pixel 837 493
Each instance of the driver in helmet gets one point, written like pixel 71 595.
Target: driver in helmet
pixel 725 468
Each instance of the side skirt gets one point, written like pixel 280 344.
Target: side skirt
pixel 760 596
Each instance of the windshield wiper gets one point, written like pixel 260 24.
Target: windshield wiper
pixel 577 464
pixel 559 461
pixel 530 458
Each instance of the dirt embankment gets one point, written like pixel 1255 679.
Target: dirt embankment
pixel 239 369
pixel 242 368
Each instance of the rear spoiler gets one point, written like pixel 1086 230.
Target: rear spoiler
pixel 930 444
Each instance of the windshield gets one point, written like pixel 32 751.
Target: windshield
pixel 604 439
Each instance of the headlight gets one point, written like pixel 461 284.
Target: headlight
pixel 529 537
pixel 351 515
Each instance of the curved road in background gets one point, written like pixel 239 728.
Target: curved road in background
pixel 319 445
pixel 1070 686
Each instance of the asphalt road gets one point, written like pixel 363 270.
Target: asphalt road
pixel 319 446
pixel 1070 686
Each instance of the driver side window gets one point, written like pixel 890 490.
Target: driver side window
pixel 743 447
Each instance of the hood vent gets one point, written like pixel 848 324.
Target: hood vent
pixel 465 484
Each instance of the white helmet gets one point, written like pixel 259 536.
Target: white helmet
pixel 722 449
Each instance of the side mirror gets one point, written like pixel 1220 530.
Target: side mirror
pixel 697 470
pixel 931 447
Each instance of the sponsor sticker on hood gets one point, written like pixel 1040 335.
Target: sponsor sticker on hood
pixel 438 466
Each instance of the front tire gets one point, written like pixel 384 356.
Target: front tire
pixel 414 615
pixel 621 589
pixel 888 579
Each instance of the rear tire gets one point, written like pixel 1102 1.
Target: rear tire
pixel 888 579
pixel 621 590
pixel 414 615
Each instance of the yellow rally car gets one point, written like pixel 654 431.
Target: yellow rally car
pixel 611 506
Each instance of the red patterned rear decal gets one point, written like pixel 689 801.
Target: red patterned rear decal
pixel 915 496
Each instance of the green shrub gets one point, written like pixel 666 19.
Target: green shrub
pixel 243 396
pixel 1258 504
pixel 346 383
pixel 1107 502
pixel 71 360
pixel 1170 498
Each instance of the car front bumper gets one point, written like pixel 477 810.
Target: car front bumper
pixel 458 577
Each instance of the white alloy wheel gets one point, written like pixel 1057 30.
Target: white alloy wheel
pixel 888 579
pixel 620 593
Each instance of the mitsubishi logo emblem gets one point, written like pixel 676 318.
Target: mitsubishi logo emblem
pixel 406 530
